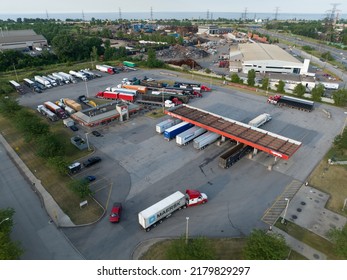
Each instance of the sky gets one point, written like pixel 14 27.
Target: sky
pixel 253 6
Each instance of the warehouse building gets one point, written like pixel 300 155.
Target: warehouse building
pixel 21 39
pixel 265 58
pixel 213 30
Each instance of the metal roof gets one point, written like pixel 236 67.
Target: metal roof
pixel 263 140
pixel 257 51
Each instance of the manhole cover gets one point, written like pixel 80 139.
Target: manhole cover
pixel 294 217
pixel 299 209
pixel 303 203
pixel 317 201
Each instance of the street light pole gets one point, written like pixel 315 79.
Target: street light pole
pixel 285 210
pixel 87 88
pixel 187 218
pixel 87 140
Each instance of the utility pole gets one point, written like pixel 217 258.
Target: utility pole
pixel 208 14
pixel 151 13
pixel 276 12
pixel 120 14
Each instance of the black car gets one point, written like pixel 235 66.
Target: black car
pixel 91 161
pixel 96 133
pixel 73 128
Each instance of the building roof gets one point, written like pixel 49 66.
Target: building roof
pixel 263 140
pixel 258 51
pixel 17 36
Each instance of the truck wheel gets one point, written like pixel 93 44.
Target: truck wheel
pixel 148 229
pixel 160 221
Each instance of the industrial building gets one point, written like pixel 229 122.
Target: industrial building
pixel 265 58
pixel 105 114
pixel 213 30
pixel 21 39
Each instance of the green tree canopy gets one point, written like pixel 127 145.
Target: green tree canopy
pixel 280 86
pixel 339 238
pixel 235 78
pixel 317 92
pixel 263 246
pixel 265 84
pixel 299 90
pixel 81 187
pixel 9 250
pixel 251 78
pixel 340 97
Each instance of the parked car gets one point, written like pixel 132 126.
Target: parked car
pixel 96 133
pixel 90 178
pixel 91 161
pixel 116 212
pixel 74 128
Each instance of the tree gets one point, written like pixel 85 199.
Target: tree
pixel 49 145
pixel 317 92
pixel 94 54
pixel 251 78
pixel 339 238
pixel 81 187
pixel 9 250
pixel 265 84
pixel 196 249
pixel 280 86
pixel 9 106
pixel 299 90
pixel 340 97
pixel 235 78
pixel 263 246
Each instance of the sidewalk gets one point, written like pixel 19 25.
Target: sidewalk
pixel 301 248
pixel 57 215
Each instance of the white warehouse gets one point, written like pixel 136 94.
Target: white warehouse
pixel 264 58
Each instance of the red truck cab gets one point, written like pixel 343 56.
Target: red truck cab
pixel 194 197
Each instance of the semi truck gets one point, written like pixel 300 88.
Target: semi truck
pixel 68 77
pixel 43 81
pixel 116 95
pixel 292 102
pixel 260 120
pixel 165 96
pixel 32 85
pixel 120 89
pixel 52 82
pixel 173 131
pixel 47 113
pixel 187 136
pixel 162 126
pixel 330 85
pixel 16 86
pixel 204 140
pixel 105 69
pixel 72 104
pixel 62 79
pixel 55 109
pixel 78 75
pixel 233 154
pixel 172 103
pixel 155 214
pixel 140 89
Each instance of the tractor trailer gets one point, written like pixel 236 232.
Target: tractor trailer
pixel 173 131
pixel 233 154
pixel 162 126
pixel 185 137
pixel 154 215
pixel 47 113
pixel 292 102
pixel 204 140
pixel 71 103
pixel 55 109
pixel 260 120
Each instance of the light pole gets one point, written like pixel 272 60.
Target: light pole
pixel 285 210
pixel 87 140
pixel 87 88
pixel 187 218
pixel 6 219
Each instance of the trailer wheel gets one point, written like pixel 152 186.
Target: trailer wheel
pixel 160 221
pixel 148 229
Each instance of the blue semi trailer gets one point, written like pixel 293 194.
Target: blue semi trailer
pixel 173 131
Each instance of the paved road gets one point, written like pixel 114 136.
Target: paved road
pixel 39 238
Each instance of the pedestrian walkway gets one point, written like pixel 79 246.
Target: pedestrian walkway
pixel 54 211
pixel 300 247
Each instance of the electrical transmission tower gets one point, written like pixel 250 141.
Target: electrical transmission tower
pixel 276 12
pixel 151 14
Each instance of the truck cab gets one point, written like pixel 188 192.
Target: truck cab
pixel 194 197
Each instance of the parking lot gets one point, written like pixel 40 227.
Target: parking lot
pixel 139 168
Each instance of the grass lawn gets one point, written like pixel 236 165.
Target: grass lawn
pixel 53 182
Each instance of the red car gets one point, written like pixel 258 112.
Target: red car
pixel 116 212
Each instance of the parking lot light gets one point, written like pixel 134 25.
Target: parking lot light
pixel 285 210
pixel 87 140
pixel 6 219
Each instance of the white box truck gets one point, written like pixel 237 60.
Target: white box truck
pixel 260 120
